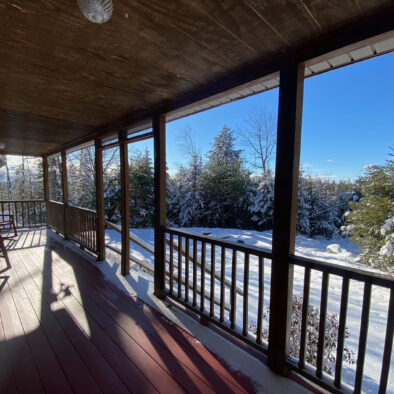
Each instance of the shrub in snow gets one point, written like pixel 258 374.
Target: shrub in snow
pixel 370 221
pixel 312 334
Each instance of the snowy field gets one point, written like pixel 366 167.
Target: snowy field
pixel 346 255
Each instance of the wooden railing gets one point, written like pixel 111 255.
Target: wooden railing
pixel 81 227
pixel 27 213
pixel 206 263
pixel 55 215
pixel 77 224
pixel 149 267
pixel 316 373
pixel 212 265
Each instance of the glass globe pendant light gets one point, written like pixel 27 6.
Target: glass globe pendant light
pixel 96 11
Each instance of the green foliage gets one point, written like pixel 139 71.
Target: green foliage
pixel 141 184
pixel 370 221
pixel 225 183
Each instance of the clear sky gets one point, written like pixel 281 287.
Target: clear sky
pixel 348 120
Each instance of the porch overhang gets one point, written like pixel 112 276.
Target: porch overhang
pixel 66 81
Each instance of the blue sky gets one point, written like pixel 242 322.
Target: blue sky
pixel 348 120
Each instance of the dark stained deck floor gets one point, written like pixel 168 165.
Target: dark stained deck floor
pixel 64 328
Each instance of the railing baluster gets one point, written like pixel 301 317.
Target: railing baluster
pixel 180 248
pixel 187 270
pixel 261 301
pixel 35 214
pixel 304 323
pixel 212 292
pixel 232 290
pixel 171 263
pixel 341 331
pixel 245 295
pixel 322 326
pixel 28 214
pixel 16 214
pixel 202 297
pixel 23 214
pixel 388 345
pixel 194 272
pixel 363 337
pixel 222 279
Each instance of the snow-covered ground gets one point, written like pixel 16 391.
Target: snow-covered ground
pixel 346 254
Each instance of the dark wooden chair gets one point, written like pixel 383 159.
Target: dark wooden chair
pixel 7 225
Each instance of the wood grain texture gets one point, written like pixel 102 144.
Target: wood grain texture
pixel 64 78
pixel 102 339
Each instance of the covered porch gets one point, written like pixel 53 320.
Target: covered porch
pixel 69 84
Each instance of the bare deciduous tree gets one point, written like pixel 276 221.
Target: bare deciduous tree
pixel 259 134
pixel 187 143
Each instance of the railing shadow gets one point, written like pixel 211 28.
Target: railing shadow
pixel 157 331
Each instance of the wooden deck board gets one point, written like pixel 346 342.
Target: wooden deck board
pixel 95 337
pixel 52 376
pixel 113 371
pixel 7 381
pixel 135 332
pixel 78 375
pixel 25 373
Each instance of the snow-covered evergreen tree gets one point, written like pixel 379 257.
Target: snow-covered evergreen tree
pixel 317 208
pixel 262 201
pixel 112 196
pixel 370 221
pixel 141 184
pixel 191 204
pixel 225 183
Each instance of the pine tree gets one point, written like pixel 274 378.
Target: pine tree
pixel 317 208
pixel 141 184
pixel 262 202
pixel 112 196
pixel 191 205
pixel 225 183
pixel 371 219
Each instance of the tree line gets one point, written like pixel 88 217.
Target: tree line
pixel 219 190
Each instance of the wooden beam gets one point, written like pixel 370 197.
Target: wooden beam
pixel 285 212
pixel 159 131
pixel 99 200
pixel 125 207
pixel 64 190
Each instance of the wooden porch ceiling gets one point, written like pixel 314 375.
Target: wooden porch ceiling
pixel 63 78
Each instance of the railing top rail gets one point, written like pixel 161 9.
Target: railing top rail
pixel 347 272
pixel 82 209
pixel 13 201
pixel 220 242
pixel 55 202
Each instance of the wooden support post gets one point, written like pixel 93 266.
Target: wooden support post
pixel 65 191
pixel 159 133
pixel 45 178
pixel 125 207
pixel 285 212
pixel 45 184
pixel 99 200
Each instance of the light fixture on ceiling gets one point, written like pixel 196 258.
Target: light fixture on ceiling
pixel 97 11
